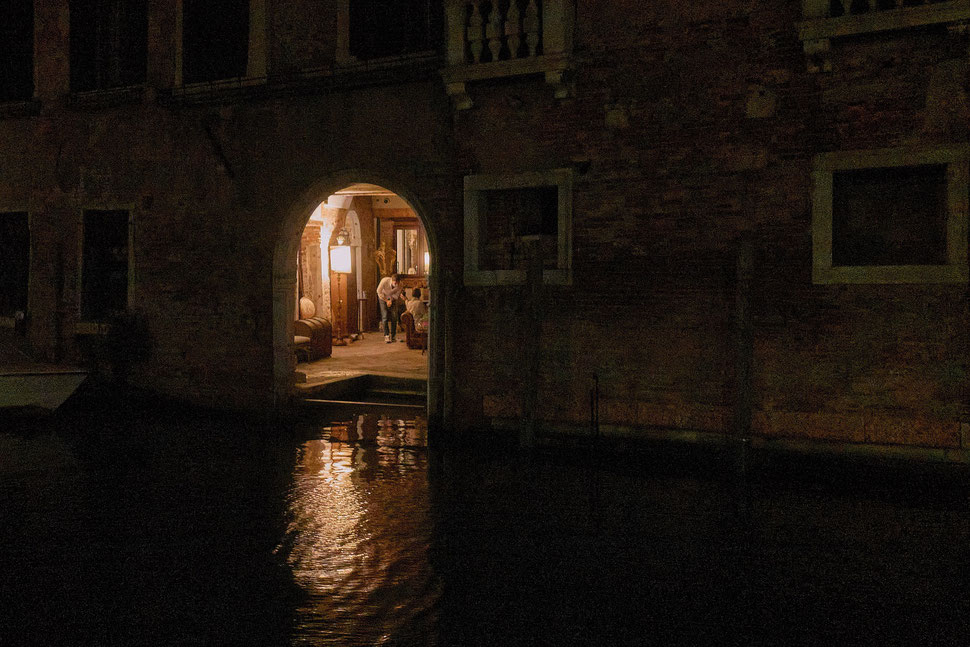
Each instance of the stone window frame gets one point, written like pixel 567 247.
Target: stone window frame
pixel 957 162
pixel 87 326
pixel 475 185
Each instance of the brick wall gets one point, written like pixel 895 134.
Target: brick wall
pixel 698 121
pixel 690 124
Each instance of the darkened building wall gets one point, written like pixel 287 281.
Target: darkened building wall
pixel 684 127
pixel 207 184
pixel 692 125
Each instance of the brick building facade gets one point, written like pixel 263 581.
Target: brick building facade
pixel 701 155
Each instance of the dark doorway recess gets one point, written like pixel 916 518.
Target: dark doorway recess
pixel 104 283
pixel 14 262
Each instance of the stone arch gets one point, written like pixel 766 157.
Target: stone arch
pixel 285 250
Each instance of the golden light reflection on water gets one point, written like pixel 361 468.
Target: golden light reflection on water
pixel 358 528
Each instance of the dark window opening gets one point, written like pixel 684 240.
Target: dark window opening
pixel 890 216
pixel 17 51
pixel 215 40
pixel 14 262
pixel 510 214
pixel 380 28
pixel 109 43
pixel 104 288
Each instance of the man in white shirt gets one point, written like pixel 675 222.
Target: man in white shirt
pixel 389 294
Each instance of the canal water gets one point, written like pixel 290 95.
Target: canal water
pixel 126 525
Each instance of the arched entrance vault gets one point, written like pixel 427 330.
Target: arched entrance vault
pixel 293 220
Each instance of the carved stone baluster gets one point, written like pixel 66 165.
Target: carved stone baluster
pixel 531 26
pixel 494 31
pixel 475 33
pixel 512 29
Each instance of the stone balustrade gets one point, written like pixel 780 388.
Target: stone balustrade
pixel 825 20
pixel 496 31
pixel 501 38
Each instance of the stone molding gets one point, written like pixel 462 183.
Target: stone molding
pixel 817 30
pixel 476 184
pixel 957 160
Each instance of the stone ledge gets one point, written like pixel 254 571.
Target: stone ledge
pixel 91 328
pixel 107 98
pixel 885 20
pixel 850 428
pixel 14 109
pixel 502 69
pixel 808 447
pixel 555 69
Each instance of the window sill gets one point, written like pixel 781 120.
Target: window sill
pixel 355 73
pixel 25 108
pixel 884 20
pixel 890 274
pixel 400 60
pixel 107 97
pixel 220 85
pixel 514 277
pixel 91 328
pixel 501 69
pixel 554 68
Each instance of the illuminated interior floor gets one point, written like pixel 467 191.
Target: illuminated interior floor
pixel 368 356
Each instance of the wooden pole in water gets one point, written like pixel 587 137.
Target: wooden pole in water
pixel 744 346
pixel 533 332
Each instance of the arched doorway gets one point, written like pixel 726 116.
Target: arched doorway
pixel 285 277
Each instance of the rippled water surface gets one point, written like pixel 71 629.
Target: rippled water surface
pixel 123 527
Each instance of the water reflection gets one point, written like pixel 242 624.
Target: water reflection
pixel 124 528
pixel 358 532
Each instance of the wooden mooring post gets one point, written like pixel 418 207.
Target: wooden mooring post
pixel 743 348
pixel 533 333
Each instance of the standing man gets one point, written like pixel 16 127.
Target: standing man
pixel 389 293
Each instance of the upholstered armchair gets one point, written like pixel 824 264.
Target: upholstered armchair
pixel 413 337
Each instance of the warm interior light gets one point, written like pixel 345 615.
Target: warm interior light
pixel 340 259
pixel 427 261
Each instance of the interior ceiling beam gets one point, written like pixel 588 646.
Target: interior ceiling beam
pixel 365 190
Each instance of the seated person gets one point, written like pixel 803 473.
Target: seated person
pixel 418 310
